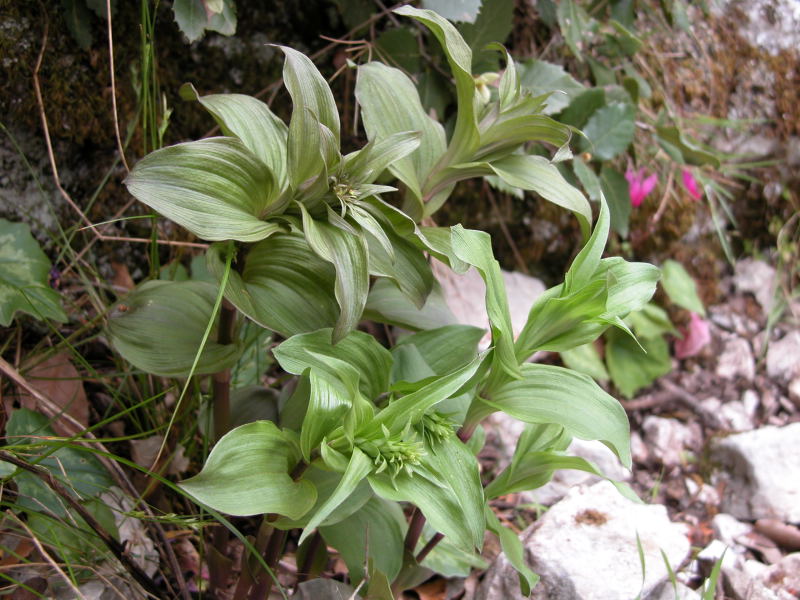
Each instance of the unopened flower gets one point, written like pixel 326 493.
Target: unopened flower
pixel 695 336
pixel 640 185
pixel 690 183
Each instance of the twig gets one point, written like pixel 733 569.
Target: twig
pixel 504 228
pixel 428 547
pixel 114 87
pixel 45 555
pixel 663 204
pixel 51 409
pixel 112 544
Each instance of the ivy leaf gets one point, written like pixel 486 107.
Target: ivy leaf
pixel 247 473
pixel 216 188
pixel 574 22
pixel 541 77
pixel 455 10
pixel 493 24
pixel 160 325
pixel 609 131
pixel 24 277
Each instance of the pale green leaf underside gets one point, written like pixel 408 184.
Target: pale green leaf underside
pixel 247 473
pixel 24 274
pixel 216 188
pixel 160 325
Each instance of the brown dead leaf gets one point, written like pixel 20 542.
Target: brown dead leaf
pixel 145 451
pixel 122 282
pixel 433 590
pixel 57 379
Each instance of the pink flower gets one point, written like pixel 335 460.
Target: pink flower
pixel 695 337
pixel 639 185
pixel 690 183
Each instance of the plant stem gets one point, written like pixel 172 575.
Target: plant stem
pixel 308 560
pixel 428 547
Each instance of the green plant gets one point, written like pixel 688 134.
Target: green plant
pixel 304 246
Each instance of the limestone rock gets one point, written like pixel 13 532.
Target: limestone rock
pixel 668 439
pixel 783 357
pixel 762 469
pixel 666 591
pixel 728 528
pixel 585 548
pixel 736 360
pixel 758 278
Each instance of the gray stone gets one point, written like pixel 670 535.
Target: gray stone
pixel 585 548
pixel 762 473
pixel 669 439
pixel 758 278
pixel 743 580
pixel 783 357
pixel 736 360
pixel 794 391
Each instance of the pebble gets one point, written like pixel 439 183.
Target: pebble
pixel 783 357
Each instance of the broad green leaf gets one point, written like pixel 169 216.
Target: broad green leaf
pixel 587 261
pixel 632 368
pixel 582 107
pixel 512 548
pixel 77 470
pixel 216 188
pixel 475 248
pixel 326 482
pixel 691 153
pixel 651 321
pixel 535 469
pixel 616 190
pixel 160 325
pixel 24 275
pixel 359 467
pixel 447 348
pixel 313 105
pixel 588 178
pixel 408 268
pixel 247 473
pixel 455 10
pixel 459 56
pixel 410 408
pixel 387 304
pixel 327 406
pixel 390 105
pixel 541 77
pixel 372 361
pixel 374 532
pixel 609 131
pixel 548 394
pixel 537 174
pixel 585 359
pixel 446 487
pixel 367 164
pixel 493 24
pixel 680 287
pixel 574 23
pixel 631 285
pixel 448 559
pixel 284 286
pixel 250 120
pixel 348 255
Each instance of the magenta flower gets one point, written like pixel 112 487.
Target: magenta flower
pixel 639 185
pixel 690 183
pixel 695 336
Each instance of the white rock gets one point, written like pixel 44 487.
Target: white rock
pixel 716 551
pixel 783 578
pixel 743 579
pixel 466 297
pixel 593 451
pixel 762 471
pixel 794 391
pixel 503 431
pixel 639 451
pixel 735 416
pixel 758 278
pixel 728 528
pixel 585 548
pixel 751 402
pixel 668 439
pixel 783 357
pixel 736 360
pixel 678 591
